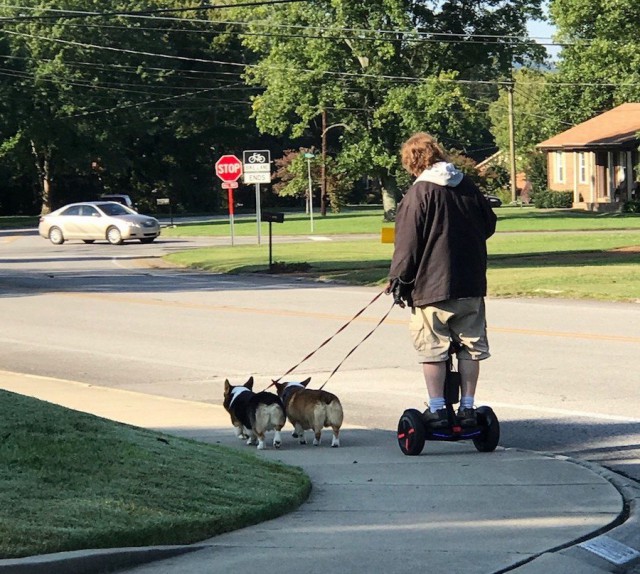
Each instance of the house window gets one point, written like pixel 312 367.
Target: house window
pixel 559 161
pixel 582 167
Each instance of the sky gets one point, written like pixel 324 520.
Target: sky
pixel 543 32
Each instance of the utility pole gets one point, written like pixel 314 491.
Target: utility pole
pixel 512 143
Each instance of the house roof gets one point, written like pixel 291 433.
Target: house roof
pixel 613 128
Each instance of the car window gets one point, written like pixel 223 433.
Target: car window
pixel 72 210
pixel 89 211
pixel 114 209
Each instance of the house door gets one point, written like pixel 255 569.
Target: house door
pixel 602 176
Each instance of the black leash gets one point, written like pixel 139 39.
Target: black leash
pixel 336 333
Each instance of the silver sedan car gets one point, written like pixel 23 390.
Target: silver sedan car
pixel 96 220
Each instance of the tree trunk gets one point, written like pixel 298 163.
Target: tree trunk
pixel 43 168
pixel 389 189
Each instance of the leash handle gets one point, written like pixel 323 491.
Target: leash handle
pixel 331 337
pixel 360 343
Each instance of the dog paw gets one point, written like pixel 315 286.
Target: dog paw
pixel 277 444
pixel 335 444
pixel 294 434
pixel 316 442
pixel 303 442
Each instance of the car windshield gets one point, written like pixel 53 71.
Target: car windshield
pixel 114 209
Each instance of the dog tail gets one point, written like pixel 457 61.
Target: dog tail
pixel 335 415
pixel 270 416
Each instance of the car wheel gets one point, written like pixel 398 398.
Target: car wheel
pixel 88 240
pixel 55 236
pixel 114 236
pixel 147 240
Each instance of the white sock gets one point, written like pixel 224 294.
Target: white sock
pixel 436 403
pixel 466 403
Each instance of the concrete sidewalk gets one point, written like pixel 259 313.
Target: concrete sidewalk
pixel 373 509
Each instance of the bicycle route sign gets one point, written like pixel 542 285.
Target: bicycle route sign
pixel 256 166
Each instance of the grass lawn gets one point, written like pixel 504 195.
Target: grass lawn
pixel 19 221
pixel 70 480
pixel 576 265
pixel 369 220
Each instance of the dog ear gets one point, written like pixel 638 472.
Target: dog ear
pixel 249 383
pixel 227 385
pixel 279 386
pixel 305 382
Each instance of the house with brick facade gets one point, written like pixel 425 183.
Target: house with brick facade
pixel 596 159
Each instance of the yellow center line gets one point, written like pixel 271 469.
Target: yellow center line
pixel 337 317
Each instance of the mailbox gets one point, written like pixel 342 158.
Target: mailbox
pixel 272 217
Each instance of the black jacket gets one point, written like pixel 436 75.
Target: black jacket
pixel 440 241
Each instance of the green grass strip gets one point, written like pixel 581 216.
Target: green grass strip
pixel 599 265
pixel 70 480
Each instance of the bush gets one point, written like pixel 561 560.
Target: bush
pixel 631 207
pixel 548 198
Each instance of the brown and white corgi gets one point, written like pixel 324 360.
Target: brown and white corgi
pixel 311 409
pixel 253 414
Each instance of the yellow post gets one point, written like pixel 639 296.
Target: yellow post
pixel 387 234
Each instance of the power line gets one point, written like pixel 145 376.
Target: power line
pixel 135 13
pixel 417 34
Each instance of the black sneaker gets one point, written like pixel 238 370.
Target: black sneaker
pixel 467 417
pixel 436 420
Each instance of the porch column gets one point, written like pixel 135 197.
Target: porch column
pixel 610 177
pixel 630 174
pixel 576 195
pixel 592 177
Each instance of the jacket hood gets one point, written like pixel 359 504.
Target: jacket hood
pixel 442 173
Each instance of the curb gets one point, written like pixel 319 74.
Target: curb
pixel 614 548
pixel 92 561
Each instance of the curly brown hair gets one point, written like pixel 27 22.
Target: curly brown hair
pixel 420 152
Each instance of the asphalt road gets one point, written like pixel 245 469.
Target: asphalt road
pixel 564 376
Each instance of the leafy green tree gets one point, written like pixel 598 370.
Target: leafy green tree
pixel 118 101
pixel 599 64
pixel 529 120
pixel 385 68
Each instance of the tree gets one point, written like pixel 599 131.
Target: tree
pixel 599 64
pixel 385 68
pixel 116 101
pixel 530 121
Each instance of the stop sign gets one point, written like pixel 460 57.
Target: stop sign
pixel 228 168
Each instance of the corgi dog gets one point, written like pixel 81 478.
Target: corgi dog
pixel 311 409
pixel 253 414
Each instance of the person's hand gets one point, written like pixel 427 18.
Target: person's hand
pixel 389 287
pixel 401 292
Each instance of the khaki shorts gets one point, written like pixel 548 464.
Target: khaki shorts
pixel 462 320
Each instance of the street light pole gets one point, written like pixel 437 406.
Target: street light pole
pixel 309 156
pixel 323 164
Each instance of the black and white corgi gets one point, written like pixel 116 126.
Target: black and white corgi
pixel 253 414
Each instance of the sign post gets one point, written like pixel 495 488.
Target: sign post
pixel 256 166
pixel 274 217
pixel 166 201
pixel 229 170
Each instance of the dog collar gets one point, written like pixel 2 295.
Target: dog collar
pixel 294 384
pixel 236 392
pixel 288 390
